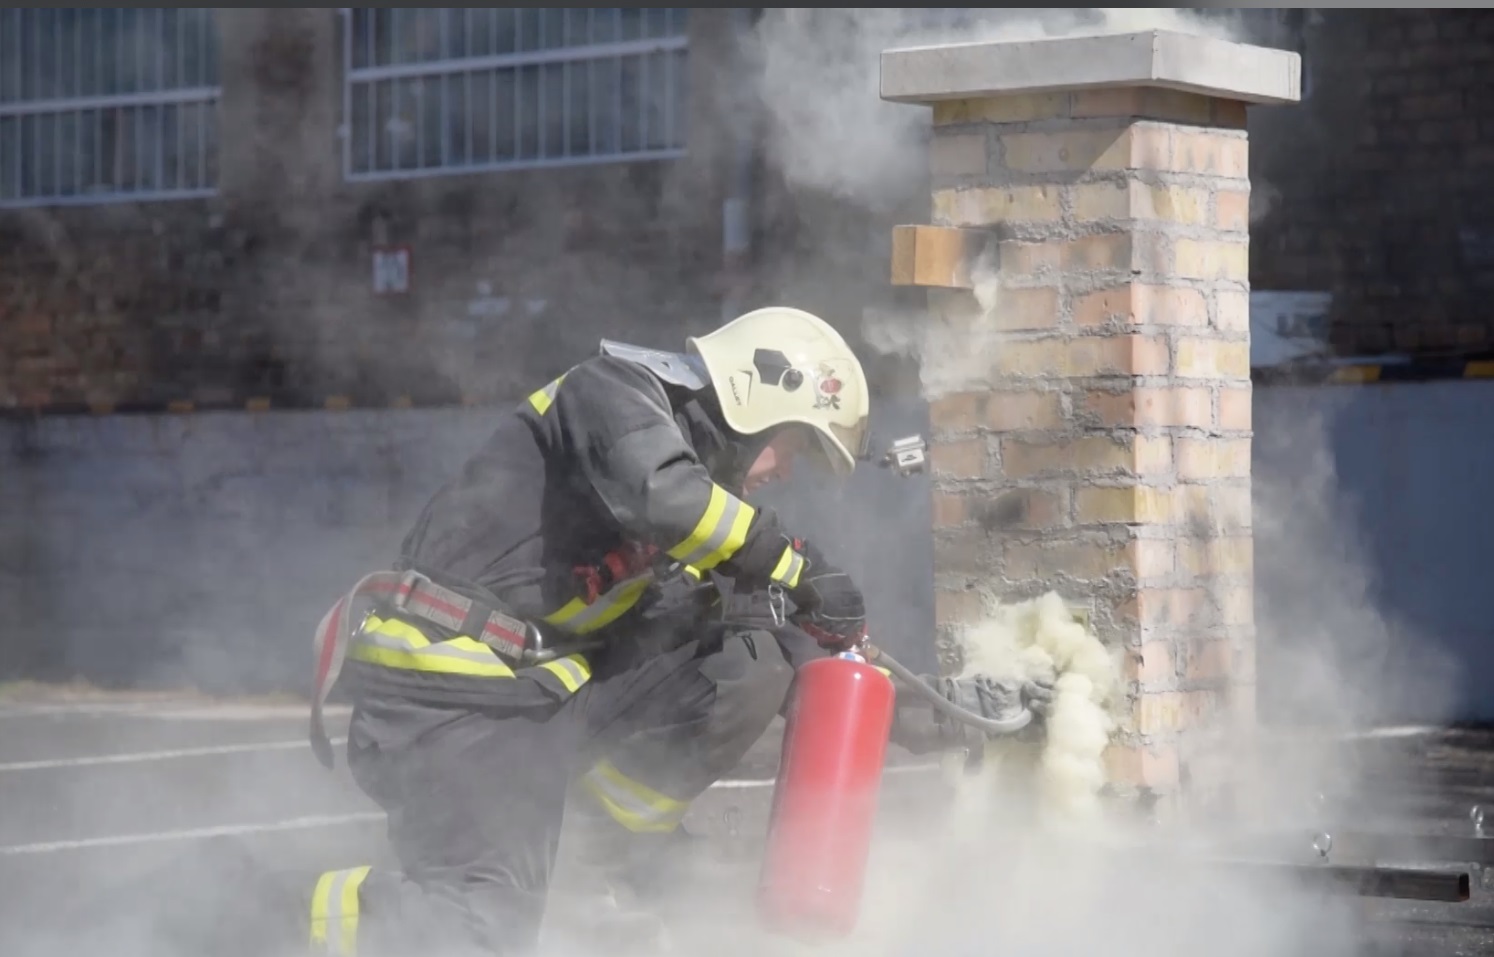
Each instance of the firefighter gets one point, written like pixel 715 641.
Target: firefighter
pixel 563 623
pixel 600 516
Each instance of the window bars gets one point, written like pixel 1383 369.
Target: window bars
pixel 443 90
pixel 107 105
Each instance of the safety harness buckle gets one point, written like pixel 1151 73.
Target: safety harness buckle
pixel 540 651
pixel 408 582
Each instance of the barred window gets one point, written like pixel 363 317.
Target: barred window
pixel 107 105
pixel 442 90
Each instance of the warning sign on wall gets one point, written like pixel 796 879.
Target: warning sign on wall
pixel 391 270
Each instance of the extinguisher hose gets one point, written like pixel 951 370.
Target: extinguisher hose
pixel 942 704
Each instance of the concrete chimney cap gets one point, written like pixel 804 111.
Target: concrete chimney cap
pixel 1149 58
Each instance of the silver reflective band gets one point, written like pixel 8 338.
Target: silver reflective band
pixel 720 532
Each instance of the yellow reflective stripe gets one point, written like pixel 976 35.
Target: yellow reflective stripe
pixel 395 644
pixel 321 897
pixel 542 398
pixel 634 805
pixel 693 572
pixel 572 670
pixel 715 508
pixel 790 565
pixel 578 617
pixel 718 534
pixel 334 910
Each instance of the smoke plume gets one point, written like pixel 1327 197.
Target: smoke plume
pixel 869 157
pixel 1040 640
pixel 843 139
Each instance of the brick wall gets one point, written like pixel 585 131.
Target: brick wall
pixel 265 289
pixel 1088 366
pixel 1121 410
pixel 1375 189
pixel 1383 179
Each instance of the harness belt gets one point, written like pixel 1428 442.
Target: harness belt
pixel 417 595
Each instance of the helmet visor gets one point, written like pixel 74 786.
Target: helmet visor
pixel 853 439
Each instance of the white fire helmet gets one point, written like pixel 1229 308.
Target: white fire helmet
pixel 777 366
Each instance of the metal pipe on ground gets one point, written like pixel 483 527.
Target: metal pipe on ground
pixel 1390 882
pixel 1443 882
pixel 1374 846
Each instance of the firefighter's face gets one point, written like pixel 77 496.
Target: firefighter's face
pixel 776 460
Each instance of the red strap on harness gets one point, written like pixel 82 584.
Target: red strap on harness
pixel 589 578
pixel 410 592
pixel 620 564
pixel 330 646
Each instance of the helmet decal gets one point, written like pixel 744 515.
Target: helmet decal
pixel 771 366
pixel 736 395
pixel 827 388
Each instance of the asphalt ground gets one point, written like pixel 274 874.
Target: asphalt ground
pixel 116 811
pixel 113 809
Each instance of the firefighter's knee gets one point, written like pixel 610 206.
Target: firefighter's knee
pixel 752 680
pixel 631 802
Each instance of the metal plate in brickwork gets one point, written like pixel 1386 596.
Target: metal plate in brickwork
pixel 391 270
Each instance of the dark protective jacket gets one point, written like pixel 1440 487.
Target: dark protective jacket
pixel 613 451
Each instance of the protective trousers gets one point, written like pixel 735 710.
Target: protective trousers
pixel 625 813
pixel 475 801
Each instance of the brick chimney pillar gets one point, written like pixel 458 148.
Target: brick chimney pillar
pixel 1087 353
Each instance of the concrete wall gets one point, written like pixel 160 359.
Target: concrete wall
pixel 203 548
pixel 1373 543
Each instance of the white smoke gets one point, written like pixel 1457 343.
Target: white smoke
pixel 844 143
pixel 1041 640
pixel 827 128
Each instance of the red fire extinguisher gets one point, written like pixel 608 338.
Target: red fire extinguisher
pixel 825 800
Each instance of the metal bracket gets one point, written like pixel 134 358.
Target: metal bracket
pixel 906 456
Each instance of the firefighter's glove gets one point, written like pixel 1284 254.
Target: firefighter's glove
pixel 922 729
pixel 829 606
pixel 985 696
pixel 1002 700
pixel 1037 695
